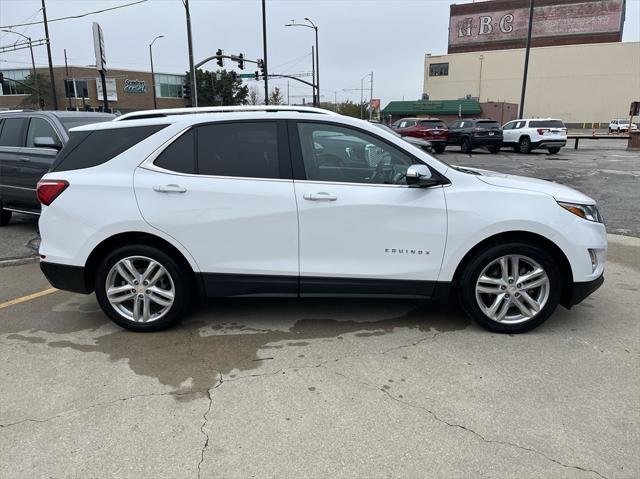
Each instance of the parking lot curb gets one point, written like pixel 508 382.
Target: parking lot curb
pixel 18 261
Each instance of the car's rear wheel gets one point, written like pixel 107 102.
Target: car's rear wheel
pixel 5 216
pixel 524 145
pixel 439 147
pixel 554 150
pixel 466 146
pixel 510 288
pixel 142 288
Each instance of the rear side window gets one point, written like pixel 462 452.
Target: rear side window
pixel 247 150
pixel 86 149
pixel 433 124
pixel 179 156
pixel 546 124
pixel 12 133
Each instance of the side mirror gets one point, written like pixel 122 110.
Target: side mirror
pixel 46 142
pixel 420 176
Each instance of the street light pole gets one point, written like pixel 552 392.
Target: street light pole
pixel 192 70
pixel 317 59
pixel 33 65
pixel 153 76
pixel 526 60
pixel 264 45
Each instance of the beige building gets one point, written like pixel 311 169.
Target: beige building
pixel 577 83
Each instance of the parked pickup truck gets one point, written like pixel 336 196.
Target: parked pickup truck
pixel 29 143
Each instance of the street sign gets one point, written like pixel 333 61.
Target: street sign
pixel 247 75
pixel 98 46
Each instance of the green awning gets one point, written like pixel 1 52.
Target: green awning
pixel 432 107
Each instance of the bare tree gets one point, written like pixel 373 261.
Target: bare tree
pixel 275 98
pixel 254 96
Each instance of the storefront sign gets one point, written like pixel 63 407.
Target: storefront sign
pixel 112 93
pixel 135 86
pixel 477 23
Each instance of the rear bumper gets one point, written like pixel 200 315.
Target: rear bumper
pixel 550 144
pixel 66 277
pixel 582 290
pixel 488 141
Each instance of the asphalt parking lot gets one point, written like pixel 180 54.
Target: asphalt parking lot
pixel 331 388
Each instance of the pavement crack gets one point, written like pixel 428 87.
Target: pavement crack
pixel 93 406
pixel 204 423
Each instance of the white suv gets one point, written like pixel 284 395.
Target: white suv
pixel 535 134
pixel 620 125
pixel 155 208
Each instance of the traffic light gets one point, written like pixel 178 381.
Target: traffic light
pixel 186 90
pixel 261 67
pixel 241 61
pixel 257 75
pixel 1 78
pixel 220 60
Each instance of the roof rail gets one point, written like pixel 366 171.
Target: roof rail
pixel 137 115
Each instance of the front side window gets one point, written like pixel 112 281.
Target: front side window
pixel 39 128
pixel 241 149
pixel 509 126
pixel 335 153
pixel 439 70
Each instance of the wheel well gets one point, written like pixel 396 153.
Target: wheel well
pixel 130 238
pixel 524 136
pixel 533 239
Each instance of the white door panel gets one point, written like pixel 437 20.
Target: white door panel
pixel 371 231
pixel 229 225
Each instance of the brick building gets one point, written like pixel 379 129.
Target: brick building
pixel 81 88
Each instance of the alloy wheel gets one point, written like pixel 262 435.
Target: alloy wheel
pixel 140 289
pixel 512 289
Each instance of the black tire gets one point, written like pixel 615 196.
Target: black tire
pixel 439 147
pixel 524 145
pixel 473 269
pixel 494 149
pixel 466 146
pixel 182 283
pixel 5 216
pixel 554 151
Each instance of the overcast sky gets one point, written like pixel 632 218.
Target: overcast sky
pixel 388 37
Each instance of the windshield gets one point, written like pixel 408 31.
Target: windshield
pixel 73 121
pixel 387 129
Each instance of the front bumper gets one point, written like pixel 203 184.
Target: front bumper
pixel 580 291
pixel 66 277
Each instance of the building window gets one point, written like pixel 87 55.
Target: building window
pixel 9 87
pixel 76 88
pixel 439 70
pixel 169 86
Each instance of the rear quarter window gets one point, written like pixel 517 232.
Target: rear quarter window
pixel 86 149
pixel 179 156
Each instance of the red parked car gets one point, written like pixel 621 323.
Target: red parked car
pixel 431 129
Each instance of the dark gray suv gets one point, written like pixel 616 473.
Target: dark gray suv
pixel 29 142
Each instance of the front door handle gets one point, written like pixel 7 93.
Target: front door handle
pixel 319 197
pixel 169 189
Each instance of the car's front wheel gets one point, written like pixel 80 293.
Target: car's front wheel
pixel 141 288
pixel 510 288
pixel 524 145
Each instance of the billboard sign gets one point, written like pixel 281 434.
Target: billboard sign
pixel 504 24
pixel 98 46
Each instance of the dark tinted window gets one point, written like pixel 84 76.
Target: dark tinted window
pixel 92 148
pixel 12 133
pixel 180 155
pixel 487 124
pixel 433 124
pixel 72 122
pixel 239 149
pixel 546 124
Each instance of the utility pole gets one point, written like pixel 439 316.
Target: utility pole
pixel 66 72
pixel 313 78
pixel 192 70
pixel 53 82
pixel 526 60
pixel 371 99
pixel 264 44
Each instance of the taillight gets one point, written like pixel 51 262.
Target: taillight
pixel 542 130
pixel 49 190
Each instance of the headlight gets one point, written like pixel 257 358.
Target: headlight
pixel 588 212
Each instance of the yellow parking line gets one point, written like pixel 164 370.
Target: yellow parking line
pixel 26 298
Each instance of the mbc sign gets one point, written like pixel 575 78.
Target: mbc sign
pixel 478 25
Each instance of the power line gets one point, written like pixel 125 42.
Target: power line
pixel 75 16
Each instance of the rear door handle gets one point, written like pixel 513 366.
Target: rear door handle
pixel 319 197
pixel 169 189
